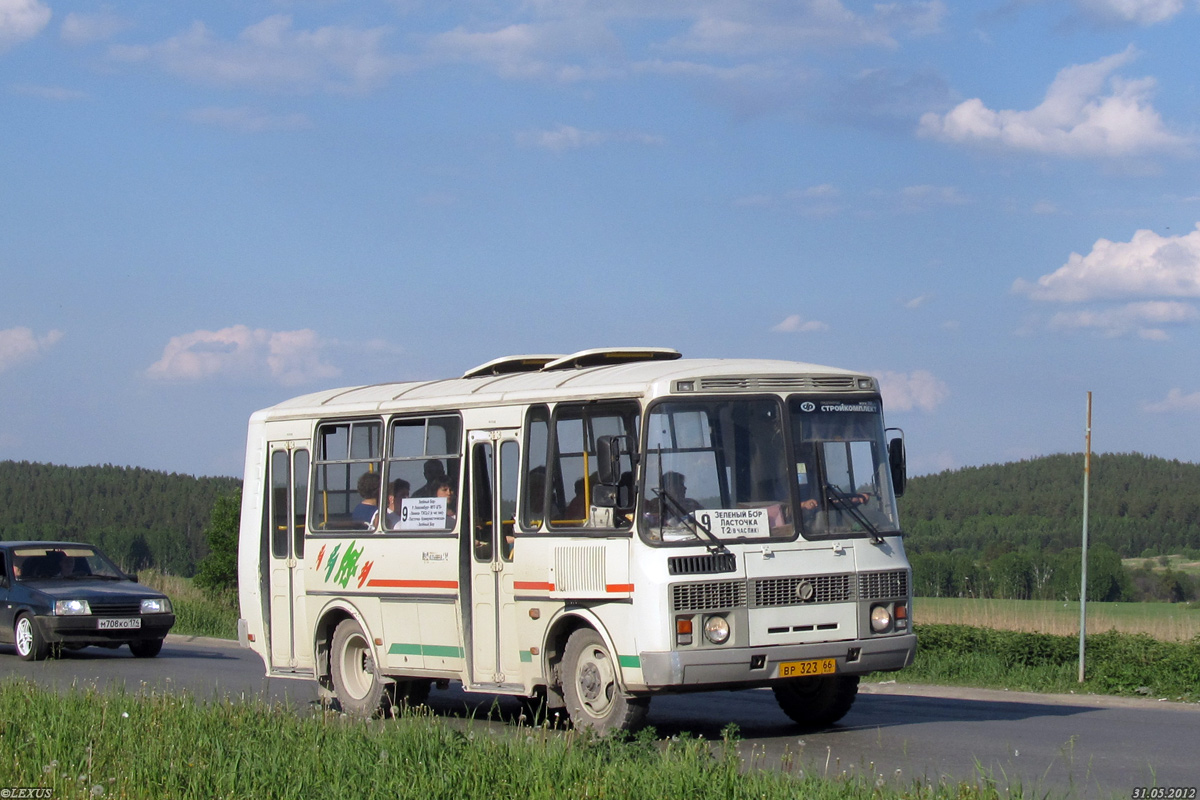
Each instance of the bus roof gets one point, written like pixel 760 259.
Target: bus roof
pixel 517 379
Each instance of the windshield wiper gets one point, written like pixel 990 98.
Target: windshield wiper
pixel 689 519
pixel 843 502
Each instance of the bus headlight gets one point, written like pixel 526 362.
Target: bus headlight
pixel 71 608
pixel 881 619
pixel 716 630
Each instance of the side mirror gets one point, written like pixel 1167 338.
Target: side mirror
pixel 604 496
pixel 898 461
pixel 609 450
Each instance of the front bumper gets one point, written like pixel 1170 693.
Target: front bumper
pixel 83 629
pixel 749 666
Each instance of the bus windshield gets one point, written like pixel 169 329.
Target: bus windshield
pixel 842 467
pixel 719 464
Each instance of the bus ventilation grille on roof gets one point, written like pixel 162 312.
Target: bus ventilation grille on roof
pixel 709 564
pixel 775 383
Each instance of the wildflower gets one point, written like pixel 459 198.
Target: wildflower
pixel 125 714
pixel 97 791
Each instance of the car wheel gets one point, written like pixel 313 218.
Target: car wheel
pixel 30 644
pixel 592 688
pixel 356 680
pixel 817 702
pixel 146 648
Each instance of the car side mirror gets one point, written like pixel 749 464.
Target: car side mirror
pixel 898 461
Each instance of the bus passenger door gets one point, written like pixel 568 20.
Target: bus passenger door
pixel 494 650
pixel 290 649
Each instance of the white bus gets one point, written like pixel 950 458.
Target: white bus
pixel 584 530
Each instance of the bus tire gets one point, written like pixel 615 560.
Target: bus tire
pixel 592 687
pixel 30 644
pixel 816 702
pixel 356 680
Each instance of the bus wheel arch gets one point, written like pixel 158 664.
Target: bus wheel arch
pixel 323 632
pixel 589 678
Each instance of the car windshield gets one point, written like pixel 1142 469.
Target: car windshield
pixel 64 562
pixel 842 467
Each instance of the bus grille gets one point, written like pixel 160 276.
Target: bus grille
pixel 702 565
pixel 708 596
pixel 778 383
pixel 782 591
pixel 883 585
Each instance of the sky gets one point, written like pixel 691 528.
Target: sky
pixel 208 208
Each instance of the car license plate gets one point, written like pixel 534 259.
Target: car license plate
pixel 119 624
pixel 800 669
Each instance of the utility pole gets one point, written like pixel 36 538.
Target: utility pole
pixel 1087 474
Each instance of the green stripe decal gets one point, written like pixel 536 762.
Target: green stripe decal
pixel 435 650
pixel 526 657
pixel 630 662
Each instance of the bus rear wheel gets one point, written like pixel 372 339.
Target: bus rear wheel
pixel 356 680
pixel 817 702
pixel 592 688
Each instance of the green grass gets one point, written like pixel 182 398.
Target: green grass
pixel 196 613
pixel 83 744
pixel 1117 663
pixel 1166 621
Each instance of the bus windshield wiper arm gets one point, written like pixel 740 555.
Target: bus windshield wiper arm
pixel 842 502
pixel 689 519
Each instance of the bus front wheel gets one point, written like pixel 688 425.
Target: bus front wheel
pixel 592 689
pixel 817 702
pixel 356 679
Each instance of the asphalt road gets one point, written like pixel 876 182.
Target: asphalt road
pixel 1078 746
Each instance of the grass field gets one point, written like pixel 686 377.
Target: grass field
pixel 88 745
pixel 196 614
pixel 1167 621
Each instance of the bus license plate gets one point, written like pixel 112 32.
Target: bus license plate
pixel 119 624
pixel 801 669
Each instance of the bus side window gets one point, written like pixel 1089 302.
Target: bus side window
pixel 347 463
pixel 533 497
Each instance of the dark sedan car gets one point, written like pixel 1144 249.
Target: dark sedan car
pixel 62 594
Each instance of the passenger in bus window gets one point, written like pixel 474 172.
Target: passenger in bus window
pixel 368 490
pixel 443 488
pixel 397 491
pixel 672 504
pixel 577 509
pixel 434 471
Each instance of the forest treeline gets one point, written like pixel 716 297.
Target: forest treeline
pixel 1014 530
pixel 1002 530
pixel 140 517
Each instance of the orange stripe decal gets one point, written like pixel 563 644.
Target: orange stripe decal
pixel 533 586
pixel 383 583
pixel 619 587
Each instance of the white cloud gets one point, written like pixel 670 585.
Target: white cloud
pixel 86 28
pixel 1175 400
pixel 22 344
pixel 1149 265
pixel 286 357
pixel 1138 12
pixel 248 120
pixel 754 28
pixel 566 137
pixel 914 390
pixel 915 198
pixel 272 54
pixel 21 20
pixel 1142 319
pixel 797 324
pixel 58 94
pixel 1087 112
pixel 917 301
pixel 534 50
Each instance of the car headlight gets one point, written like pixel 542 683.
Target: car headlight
pixel 881 619
pixel 716 630
pixel 156 605
pixel 71 608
